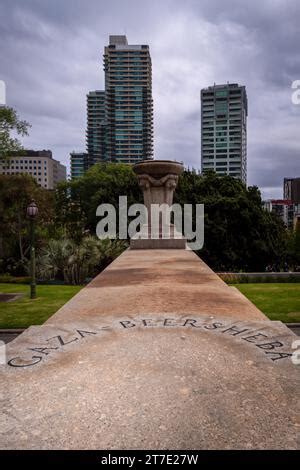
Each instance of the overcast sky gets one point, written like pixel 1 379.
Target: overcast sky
pixel 51 56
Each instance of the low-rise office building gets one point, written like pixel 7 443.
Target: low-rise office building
pixel 291 189
pixel 38 163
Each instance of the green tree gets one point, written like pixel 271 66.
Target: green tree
pixel 16 191
pixel 9 123
pixel 239 233
pixel 77 200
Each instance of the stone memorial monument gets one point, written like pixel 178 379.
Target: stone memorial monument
pixel 158 180
pixel 157 352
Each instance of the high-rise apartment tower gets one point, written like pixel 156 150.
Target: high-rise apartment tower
pixel 224 111
pixel 96 127
pixel 129 104
pixel 120 119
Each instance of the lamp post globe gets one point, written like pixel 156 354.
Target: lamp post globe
pixel 32 210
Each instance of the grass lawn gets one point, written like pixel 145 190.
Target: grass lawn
pixel 279 301
pixel 24 312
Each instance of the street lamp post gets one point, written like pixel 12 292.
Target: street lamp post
pixel 32 212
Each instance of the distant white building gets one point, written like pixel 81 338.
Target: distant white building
pixel 2 94
pixel 37 163
pixel 284 208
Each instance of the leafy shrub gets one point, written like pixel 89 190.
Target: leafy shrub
pixel 7 278
pixel 244 278
pixel 75 262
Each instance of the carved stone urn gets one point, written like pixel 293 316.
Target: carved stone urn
pixel 158 180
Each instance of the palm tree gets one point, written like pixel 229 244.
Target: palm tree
pixel 75 263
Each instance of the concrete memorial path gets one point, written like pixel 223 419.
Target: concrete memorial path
pixel 156 352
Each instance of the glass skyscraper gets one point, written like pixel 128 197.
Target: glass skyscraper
pixel 120 119
pixel 129 105
pixel 96 127
pixel 224 111
pixel 78 164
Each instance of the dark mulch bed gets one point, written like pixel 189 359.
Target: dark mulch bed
pixel 9 297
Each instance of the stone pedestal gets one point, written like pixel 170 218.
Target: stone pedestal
pixel 158 180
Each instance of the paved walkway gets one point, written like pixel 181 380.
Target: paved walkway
pixel 156 281
pixel 156 352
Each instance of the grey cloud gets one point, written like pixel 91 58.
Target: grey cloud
pixel 51 56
